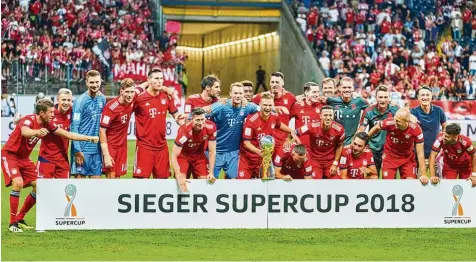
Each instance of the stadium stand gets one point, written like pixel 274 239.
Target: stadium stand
pixel 394 43
pixel 52 41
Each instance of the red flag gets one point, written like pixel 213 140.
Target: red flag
pixel 173 27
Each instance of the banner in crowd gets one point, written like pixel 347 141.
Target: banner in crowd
pixel 101 50
pixel 138 71
pixel 173 27
pixel 455 110
pixel 133 204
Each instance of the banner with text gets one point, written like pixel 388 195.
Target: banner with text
pixel 133 204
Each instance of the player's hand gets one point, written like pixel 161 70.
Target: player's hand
pixel 211 178
pixel 42 132
pixel 364 171
pixel 296 138
pixel 79 157
pixel 282 110
pixel 223 100
pixel 244 102
pixel 355 95
pixel 287 145
pixel 473 181
pixel 108 161
pixel 322 99
pixel 333 170
pixel 393 103
pixel 424 180
pixel 93 139
pixel 182 182
pixel 300 99
pixel 434 180
pixel 287 178
pixel 180 119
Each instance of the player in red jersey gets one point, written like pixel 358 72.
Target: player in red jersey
pixel 283 101
pixel 53 158
pixel 327 138
pixel 210 94
pixel 150 109
pixel 18 170
pixel 114 124
pixel 248 89
pixel 357 161
pixel 292 163
pixel 459 155
pixel 256 126
pixel 188 151
pixel 402 138
pixel 307 111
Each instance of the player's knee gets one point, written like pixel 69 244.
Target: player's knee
pixel 17 183
pixel 33 185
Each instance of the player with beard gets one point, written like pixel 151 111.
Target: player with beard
pixel 248 87
pixel 372 116
pixel 18 170
pixel 256 126
pixel 292 163
pixel 307 111
pixel 210 94
pixel 459 155
pixel 357 161
pixel 283 101
pixel 402 138
pixel 86 156
pixel 150 109
pixel 53 158
pixel 113 131
pixel 188 151
pixel 347 109
pixel 326 137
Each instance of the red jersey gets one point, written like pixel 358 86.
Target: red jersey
pixel 284 159
pixel 115 118
pixel 353 164
pixel 151 114
pixel 196 100
pixel 286 100
pixel 254 129
pixel 323 143
pixel 193 142
pixel 54 148
pixel 455 155
pixel 305 114
pixel 21 146
pixel 401 142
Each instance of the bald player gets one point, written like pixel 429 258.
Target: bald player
pixel 402 138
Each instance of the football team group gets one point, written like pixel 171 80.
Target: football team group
pixel 337 135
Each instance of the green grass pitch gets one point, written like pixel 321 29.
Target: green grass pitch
pixel 239 244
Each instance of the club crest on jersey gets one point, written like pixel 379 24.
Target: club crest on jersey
pixel 407 136
pixel 138 170
pixel 69 117
pixel 163 101
pixel 14 171
pixel 332 137
pixel 459 151
pixel 205 137
pixel 354 106
pixel 385 173
pixel 242 174
pixel 242 113
pixel 272 126
pixel 285 101
pixel 364 162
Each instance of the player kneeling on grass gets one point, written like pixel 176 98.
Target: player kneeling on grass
pixel 292 163
pixel 357 161
pixel 18 170
pixel 402 138
pixel 113 131
pixel 188 151
pixel 459 155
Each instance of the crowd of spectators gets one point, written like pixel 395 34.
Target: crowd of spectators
pixel 54 39
pixel 401 43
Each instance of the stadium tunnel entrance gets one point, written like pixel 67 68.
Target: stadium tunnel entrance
pixel 231 39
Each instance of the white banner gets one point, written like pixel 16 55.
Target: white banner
pixel 132 204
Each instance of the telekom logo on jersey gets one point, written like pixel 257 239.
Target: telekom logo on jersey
pixel 153 112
